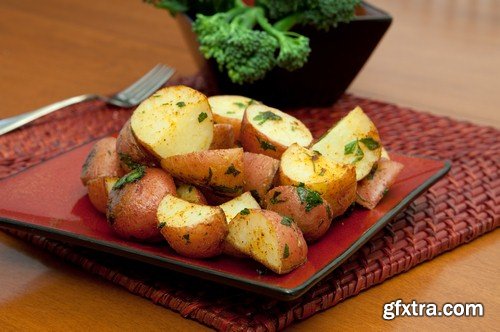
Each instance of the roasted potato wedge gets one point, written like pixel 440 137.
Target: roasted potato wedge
pixel 260 171
pixel 231 210
pixel 223 137
pixel 374 186
pixel 133 202
pixel 335 182
pixel 98 190
pixel 271 239
pixel 220 170
pixel 191 194
pixel 130 152
pixel 102 161
pixel 269 131
pixel 312 214
pixel 192 230
pixel 237 204
pixel 353 140
pixel 229 110
pixel 175 120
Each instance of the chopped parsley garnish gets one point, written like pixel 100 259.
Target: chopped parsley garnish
pixel 127 160
pixel 329 211
pixel 230 112
pixel 156 96
pixel 268 115
pixel 370 143
pixel 372 172
pixel 240 104
pixel 355 148
pixel 266 145
pixel 232 170
pixel 310 197
pixel 245 211
pixel 180 104
pixel 322 172
pixel 202 116
pixel 88 160
pixel 286 251
pixel 133 176
pixel 161 225
pixel 274 199
pixel 287 221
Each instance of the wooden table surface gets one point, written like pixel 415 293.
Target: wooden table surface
pixel 439 56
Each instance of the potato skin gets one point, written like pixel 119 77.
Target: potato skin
pixel 102 161
pixel 286 236
pixel 129 150
pixel 371 189
pixel 286 201
pixel 260 172
pixel 223 137
pixel 98 192
pixel 202 241
pixel 132 209
pixel 220 170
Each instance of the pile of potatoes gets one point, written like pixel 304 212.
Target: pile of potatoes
pixel 227 174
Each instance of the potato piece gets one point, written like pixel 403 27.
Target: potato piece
pixel 102 161
pixel 384 154
pixel 220 170
pixel 231 210
pixel 271 239
pixel 335 182
pixel 130 152
pixel 191 194
pixel 214 198
pixel 260 171
pixel 229 110
pixel 133 202
pixel 175 120
pixel 312 215
pixel 234 206
pixel 373 187
pixel 223 137
pixel 192 230
pixel 353 140
pixel 98 190
pixel 270 131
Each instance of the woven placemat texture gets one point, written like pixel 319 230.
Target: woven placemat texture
pixel 456 210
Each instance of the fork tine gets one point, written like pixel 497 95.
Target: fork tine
pixel 152 85
pixel 142 79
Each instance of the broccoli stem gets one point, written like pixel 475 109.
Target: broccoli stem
pixel 287 23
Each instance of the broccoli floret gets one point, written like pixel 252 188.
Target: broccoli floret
pixel 277 9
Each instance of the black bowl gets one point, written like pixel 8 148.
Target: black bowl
pixel 336 58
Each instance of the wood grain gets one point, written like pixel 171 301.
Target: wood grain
pixel 440 56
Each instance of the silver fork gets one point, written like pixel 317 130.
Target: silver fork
pixel 129 97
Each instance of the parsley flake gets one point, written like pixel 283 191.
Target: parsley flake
pixel 245 212
pixel 370 143
pixel 232 170
pixel 310 197
pixel 266 145
pixel 274 199
pixel 240 104
pixel 133 176
pixel 268 115
pixel 202 116
pixel 286 251
pixel 287 221
pixel 161 225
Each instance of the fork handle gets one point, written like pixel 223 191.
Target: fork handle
pixel 9 124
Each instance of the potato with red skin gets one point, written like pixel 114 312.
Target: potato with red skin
pixel 260 172
pixel 223 137
pixel 313 220
pixel 98 191
pixel 220 170
pixel 191 194
pixel 131 152
pixel 269 131
pixel 192 230
pixel 373 187
pixel 229 109
pixel 132 207
pixel 271 239
pixel 102 161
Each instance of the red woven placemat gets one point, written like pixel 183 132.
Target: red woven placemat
pixel 458 209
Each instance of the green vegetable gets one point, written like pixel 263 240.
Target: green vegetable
pixel 265 145
pixel 202 116
pixel 286 251
pixel 162 224
pixel 268 115
pixel 133 176
pixel 245 211
pixel 180 104
pixel 310 197
pixel 287 221
pixel 249 41
pixel 274 199
pixel 354 147
pixel 127 160
pixel 232 170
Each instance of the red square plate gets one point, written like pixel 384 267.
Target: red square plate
pixel 50 200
